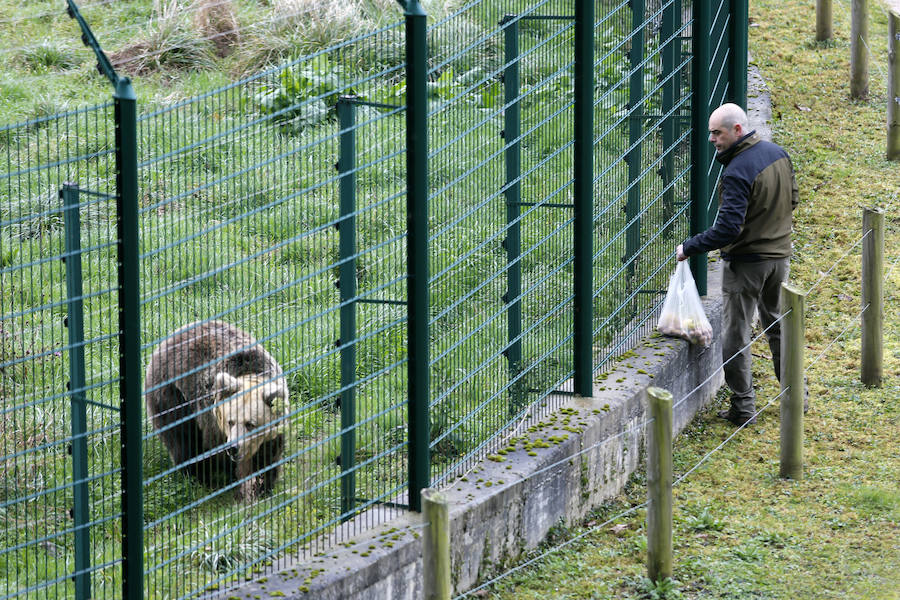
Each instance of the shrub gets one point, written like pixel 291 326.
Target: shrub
pixel 50 55
pixel 302 95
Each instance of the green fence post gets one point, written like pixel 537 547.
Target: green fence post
pixel 740 19
pixel 512 126
pixel 583 192
pixel 635 121
pixel 130 371
pixel 679 55
pixel 346 110
pixel 668 75
pixel 700 152
pixel 75 325
pixel 678 27
pixel 417 251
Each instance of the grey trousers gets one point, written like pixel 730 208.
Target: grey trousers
pixel 747 286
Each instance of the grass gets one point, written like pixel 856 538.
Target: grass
pixel 741 531
pixel 171 48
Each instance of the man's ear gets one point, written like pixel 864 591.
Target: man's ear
pixel 226 383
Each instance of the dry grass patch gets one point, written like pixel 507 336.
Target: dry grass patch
pixel 170 42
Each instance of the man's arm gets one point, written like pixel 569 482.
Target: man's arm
pixel 795 190
pixel 729 221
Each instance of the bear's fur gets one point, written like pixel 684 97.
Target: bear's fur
pixel 215 397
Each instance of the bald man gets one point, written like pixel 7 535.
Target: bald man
pixel 757 194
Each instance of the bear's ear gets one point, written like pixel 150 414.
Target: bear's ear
pixel 272 391
pixel 226 383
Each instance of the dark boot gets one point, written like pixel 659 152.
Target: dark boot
pixel 735 418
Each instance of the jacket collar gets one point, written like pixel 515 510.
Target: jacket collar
pixel 739 146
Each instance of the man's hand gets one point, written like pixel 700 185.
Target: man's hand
pixel 679 252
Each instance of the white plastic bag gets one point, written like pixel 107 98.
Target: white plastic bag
pixel 682 313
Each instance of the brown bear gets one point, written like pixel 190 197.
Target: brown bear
pixel 216 399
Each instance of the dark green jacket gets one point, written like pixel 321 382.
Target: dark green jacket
pixel 757 193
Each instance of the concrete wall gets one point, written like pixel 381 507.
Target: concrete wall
pixel 587 451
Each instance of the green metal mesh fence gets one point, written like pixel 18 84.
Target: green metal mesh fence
pixel 642 164
pixel 276 205
pixel 59 385
pixel 502 211
pixel 276 269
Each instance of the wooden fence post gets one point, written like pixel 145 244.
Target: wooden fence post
pixel 872 297
pixel 436 558
pixel 859 57
pixel 659 485
pixel 823 20
pixel 793 342
pixel 893 83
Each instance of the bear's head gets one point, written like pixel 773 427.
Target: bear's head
pixel 245 408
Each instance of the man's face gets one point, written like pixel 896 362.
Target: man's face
pixel 722 137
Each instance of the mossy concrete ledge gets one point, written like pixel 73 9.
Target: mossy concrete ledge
pixel 555 471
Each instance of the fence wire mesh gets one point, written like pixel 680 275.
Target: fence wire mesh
pixel 288 226
pixel 502 213
pixel 273 238
pixel 642 165
pixel 59 382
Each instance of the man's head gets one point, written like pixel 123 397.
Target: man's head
pixel 727 124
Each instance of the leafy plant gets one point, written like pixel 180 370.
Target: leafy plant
pixel 748 553
pixel 221 554
pixel 304 96
pixel 394 94
pixel 704 521
pixel 490 95
pixel 447 87
pixel 664 589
